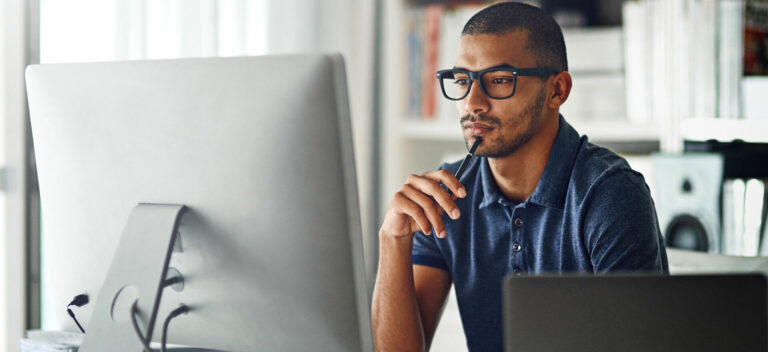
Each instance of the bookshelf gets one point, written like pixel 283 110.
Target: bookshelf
pixel 658 113
pixel 724 130
pixel 415 143
pixel 608 132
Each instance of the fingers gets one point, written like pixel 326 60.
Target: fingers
pixel 427 192
pixel 420 204
pixel 430 185
pixel 428 208
pixel 446 177
pixel 402 203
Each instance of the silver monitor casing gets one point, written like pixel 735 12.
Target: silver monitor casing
pixel 259 149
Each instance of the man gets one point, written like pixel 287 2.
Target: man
pixel 537 198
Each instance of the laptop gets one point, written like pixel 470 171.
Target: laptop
pixel 635 313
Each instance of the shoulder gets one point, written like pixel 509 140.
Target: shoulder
pixel 598 171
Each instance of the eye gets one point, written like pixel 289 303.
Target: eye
pixel 460 81
pixel 502 80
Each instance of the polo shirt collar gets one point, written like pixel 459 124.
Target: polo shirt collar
pixel 553 184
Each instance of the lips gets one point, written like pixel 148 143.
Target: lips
pixel 476 129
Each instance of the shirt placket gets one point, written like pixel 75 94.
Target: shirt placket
pixel 516 244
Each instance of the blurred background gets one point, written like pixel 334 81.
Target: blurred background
pixel 675 86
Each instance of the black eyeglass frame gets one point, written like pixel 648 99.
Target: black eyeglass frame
pixel 476 75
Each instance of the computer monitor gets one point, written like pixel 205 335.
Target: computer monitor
pixel 634 313
pixel 258 150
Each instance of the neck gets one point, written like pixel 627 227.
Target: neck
pixel 518 174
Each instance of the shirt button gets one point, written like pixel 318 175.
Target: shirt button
pixel 517 271
pixel 517 247
pixel 518 222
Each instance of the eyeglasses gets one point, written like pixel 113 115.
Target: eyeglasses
pixel 498 82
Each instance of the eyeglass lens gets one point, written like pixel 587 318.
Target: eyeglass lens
pixel 497 84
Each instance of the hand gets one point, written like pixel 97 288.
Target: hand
pixel 419 204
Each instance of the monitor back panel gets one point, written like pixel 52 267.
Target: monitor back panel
pixel 635 313
pixel 258 148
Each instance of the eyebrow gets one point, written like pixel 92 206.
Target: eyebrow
pixel 504 65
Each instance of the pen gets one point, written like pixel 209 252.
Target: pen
pixel 464 162
pixel 471 153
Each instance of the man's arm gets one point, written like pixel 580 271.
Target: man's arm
pixel 432 287
pixel 621 229
pixel 407 298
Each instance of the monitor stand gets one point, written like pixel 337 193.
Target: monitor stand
pixel 137 274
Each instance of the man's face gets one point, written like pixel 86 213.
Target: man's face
pixel 507 124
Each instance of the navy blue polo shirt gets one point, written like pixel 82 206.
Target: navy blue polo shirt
pixel 590 212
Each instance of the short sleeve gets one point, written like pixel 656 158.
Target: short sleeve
pixel 426 252
pixel 620 226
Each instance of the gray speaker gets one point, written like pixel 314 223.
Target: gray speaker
pixel 688 200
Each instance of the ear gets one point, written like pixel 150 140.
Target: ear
pixel 562 89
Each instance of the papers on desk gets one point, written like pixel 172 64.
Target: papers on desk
pixel 51 341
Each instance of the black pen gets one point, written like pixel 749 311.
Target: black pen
pixel 464 162
pixel 471 153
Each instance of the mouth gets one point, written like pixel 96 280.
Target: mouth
pixel 476 129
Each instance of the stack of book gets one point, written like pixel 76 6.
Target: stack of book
pixel 745 221
pixel 432 35
pixel 690 58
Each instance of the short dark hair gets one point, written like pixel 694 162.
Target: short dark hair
pixel 545 38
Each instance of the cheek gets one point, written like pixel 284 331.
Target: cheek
pixel 506 111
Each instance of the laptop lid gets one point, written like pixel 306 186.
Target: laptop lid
pixel 635 313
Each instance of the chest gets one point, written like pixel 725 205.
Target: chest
pixel 501 240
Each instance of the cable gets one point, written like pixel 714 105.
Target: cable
pixel 79 301
pixel 182 309
pixel 134 310
pixel 71 314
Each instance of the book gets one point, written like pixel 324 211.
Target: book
pixel 702 33
pixel 733 216
pixel 414 19
pixel 429 84
pixel 730 67
pixel 636 65
pixel 755 38
pixel 753 213
pixel 764 233
pixel 734 191
pixel 753 92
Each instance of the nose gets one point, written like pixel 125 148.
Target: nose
pixel 476 102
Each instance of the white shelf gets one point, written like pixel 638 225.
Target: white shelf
pixel 616 131
pixel 598 131
pixel 724 130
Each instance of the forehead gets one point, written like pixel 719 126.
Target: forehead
pixel 479 51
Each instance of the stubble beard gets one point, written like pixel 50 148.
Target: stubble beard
pixel 503 145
